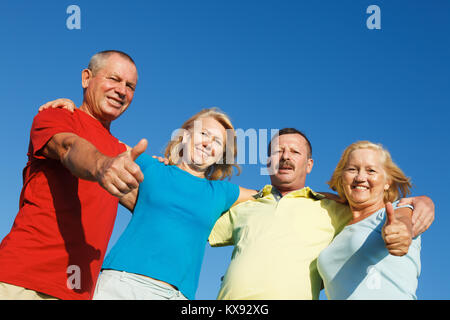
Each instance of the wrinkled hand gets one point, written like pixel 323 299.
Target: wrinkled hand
pixel 59 103
pixel 423 213
pixel 120 175
pixel 161 159
pixel 396 235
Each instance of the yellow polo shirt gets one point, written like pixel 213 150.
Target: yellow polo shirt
pixel 277 241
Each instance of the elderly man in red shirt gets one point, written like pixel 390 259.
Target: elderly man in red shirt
pixel 75 175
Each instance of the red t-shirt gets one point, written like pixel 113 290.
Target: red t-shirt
pixel 61 232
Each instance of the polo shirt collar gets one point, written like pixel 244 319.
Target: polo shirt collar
pixel 305 192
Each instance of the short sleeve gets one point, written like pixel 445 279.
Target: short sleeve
pixel 380 217
pixel 395 205
pixel 382 213
pixel 222 232
pixel 46 124
pixel 231 192
pixel 145 162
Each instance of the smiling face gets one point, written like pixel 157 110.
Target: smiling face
pixel 204 143
pixel 109 91
pixel 364 179
pixel 289 162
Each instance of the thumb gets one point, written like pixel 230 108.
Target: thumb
pixel 390 213
pixel 138 149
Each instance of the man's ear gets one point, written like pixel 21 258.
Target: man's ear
pixel 309 165
pixel 86 76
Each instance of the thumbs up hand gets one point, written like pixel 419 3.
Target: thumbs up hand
pixel 120 175
pixel 138 149
pixel 397 231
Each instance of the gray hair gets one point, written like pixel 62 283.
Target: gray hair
pixel 98 59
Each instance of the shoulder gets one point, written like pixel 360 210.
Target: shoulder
pixel 226 187
pixel 334 206
pixel 146 161
pixel 50 122
pixel 339 212
pixel 54 116
pixel 223 184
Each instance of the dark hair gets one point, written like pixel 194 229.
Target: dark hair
pixel 96 62
pixel 291 131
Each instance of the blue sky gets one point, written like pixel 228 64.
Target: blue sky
pixel 313 65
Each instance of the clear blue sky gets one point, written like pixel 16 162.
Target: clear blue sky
pixel 313 65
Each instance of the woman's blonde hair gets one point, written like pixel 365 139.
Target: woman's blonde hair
pixel 217 171
pixel 400 184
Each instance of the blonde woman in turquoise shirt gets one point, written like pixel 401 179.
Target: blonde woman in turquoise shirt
pixel 159 254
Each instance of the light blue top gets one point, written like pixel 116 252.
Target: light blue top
pixel 169 229
pixel 357 265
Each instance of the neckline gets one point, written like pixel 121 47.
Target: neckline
pixel 305 192
pixel 92 119
pixel 189 174
pixel 366 217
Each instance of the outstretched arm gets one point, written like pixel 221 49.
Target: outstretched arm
pixel 244 195
pixel 87 166
pixel 118 175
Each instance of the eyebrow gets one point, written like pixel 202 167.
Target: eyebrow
pixel 295 148
pixel 118 76
pixel 211 134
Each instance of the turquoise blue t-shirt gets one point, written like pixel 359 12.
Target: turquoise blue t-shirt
pixel 357 265
pixel 173 217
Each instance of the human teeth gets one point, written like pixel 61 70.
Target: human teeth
pixel 360 188
pixel 115 102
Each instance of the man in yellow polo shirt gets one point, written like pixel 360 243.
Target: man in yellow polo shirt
pixel 279 235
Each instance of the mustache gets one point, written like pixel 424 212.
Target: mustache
pixel 286 163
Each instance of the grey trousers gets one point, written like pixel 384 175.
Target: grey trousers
pixel 121 285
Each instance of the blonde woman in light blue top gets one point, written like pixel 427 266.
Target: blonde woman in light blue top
pixel 374 257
